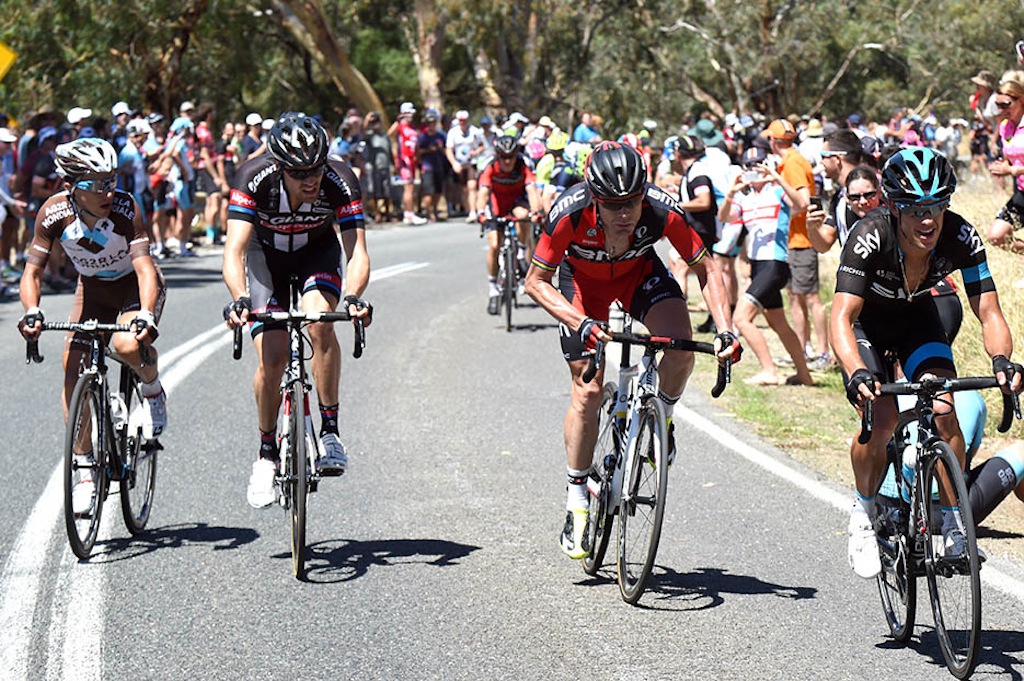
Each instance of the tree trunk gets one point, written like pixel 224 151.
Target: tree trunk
pixel 307 22
pixel 163 83
pixel 428 51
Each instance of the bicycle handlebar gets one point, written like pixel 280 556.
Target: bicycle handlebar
pixel 662 343
pixel 298 317
pixel 928 388
pixel 90 327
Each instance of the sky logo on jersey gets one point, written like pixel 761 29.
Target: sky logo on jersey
pixel 867 243
pixel 969 236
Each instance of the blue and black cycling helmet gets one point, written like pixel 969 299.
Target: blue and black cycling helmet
pixel 615 171
pixel 505 145
pixel 918 176
pixel 298 141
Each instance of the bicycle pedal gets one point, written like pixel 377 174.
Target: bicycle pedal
pixel 152 445
pixel 331 473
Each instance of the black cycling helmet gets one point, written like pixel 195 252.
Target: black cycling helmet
pixel 298 141
pixel 505 145
pixel 918 176
pixel 690 146
pixel 615 171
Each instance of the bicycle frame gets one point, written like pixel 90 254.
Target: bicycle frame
pixel 295 373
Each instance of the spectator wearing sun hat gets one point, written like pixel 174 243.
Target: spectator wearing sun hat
pixel 78 118
pixel 709 134
pixel 983 101
pixel 405 136
pixel 810 148
pixel 252 143
pixel 805 301
pixel 121 114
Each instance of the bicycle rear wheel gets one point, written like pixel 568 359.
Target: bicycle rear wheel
pixel 139 482
pixel 954 582
pixel 599 525
pixel 296 481
pixel 897 582
pixel 642 507
pixel 508 286
pixel 85 475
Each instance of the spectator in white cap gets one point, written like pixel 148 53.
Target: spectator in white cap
pixel 77 119
pixel 187 109
pixel 252 143
pixel 464 144
pixel 118 135
pixel 405 136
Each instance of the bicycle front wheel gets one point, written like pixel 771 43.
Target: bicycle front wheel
pixel 508 291
pixel 139 482
pixel 954 582
pixel 897 582
pixel 296 481
pixel 599 524
pixel 85 475
pixel 642 507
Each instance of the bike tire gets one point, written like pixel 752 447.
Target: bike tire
pixel 296 480
pixel 508 292
pixel 642 507
pixel 601 515
pixel 954 584
pixel 84 422
pixel 138 485
pixel 897 582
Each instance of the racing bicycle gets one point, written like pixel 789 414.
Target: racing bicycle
pixel 104 439
pixel 509 275
pixel 297 476
pixel 909 527
pixel 629 474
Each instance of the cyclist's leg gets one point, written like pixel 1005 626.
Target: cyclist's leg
pixel 869 461
pixel 657 301
pixel 267 276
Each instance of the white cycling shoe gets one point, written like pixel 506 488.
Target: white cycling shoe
pixel 261 492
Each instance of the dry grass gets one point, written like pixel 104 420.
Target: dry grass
pixel 814 425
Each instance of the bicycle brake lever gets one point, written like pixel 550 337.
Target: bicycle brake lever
pixel 360 333
pixel 595 363
pixel 236 343
pixel 32 352
pixel 867 422
pixel 724 378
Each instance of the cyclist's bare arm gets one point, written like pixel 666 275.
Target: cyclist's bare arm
pixel 846 308
pixel 357 269
pixel 712 287
pixel 994 330
pixel 235 244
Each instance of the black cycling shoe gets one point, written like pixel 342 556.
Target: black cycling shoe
pixel 707 326
pixel 492 305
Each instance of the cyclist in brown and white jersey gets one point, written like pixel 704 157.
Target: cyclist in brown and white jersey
pixel 281 223
pixel 100 230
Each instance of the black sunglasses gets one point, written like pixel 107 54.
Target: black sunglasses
pixel 306 173
pixel 866 196
pixel 621 204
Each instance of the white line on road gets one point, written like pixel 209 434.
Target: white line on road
pixel 23 572
pixel 990 575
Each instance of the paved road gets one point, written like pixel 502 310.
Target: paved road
pixel 435 556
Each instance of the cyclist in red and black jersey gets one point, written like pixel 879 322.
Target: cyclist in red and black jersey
pixel 601 235
pixel 508 188
pixel 281 223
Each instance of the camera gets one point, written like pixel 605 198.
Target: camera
pixel 751 176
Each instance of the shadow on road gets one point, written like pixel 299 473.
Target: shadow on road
pixel 342 560
pixel 997 648
pixel 173 537
pixel 703 588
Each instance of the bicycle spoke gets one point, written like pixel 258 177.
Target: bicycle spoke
pixel 599 526
pixel 139 484
pixel 954 583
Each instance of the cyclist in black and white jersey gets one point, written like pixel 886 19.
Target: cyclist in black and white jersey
pixel 281 223
pixel 883 305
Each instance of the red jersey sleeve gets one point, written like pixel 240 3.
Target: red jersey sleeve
pixel 682 237
pixel 553 242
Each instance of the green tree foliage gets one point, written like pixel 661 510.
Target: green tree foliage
pixel 628 60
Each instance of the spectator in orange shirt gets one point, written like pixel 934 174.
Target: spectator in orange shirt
pixel 805 303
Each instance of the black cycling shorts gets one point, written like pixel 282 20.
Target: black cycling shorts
pixel 767 279
pixel 317 267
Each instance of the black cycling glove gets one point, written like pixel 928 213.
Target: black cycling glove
pixel 860 377
pixel 244 303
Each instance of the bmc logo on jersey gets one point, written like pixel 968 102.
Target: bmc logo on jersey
pixel 866 244
pixel 969 236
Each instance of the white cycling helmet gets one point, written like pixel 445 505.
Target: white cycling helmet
pixel 85 155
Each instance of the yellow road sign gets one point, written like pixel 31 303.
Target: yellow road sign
pixel 7 57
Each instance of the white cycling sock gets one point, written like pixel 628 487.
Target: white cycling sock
pixel 151 389
pixel 576 490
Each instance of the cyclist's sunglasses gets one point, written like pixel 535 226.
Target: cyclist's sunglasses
pixel 306 173
pixel 102 185
pixel 932 210
pixel 620 204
